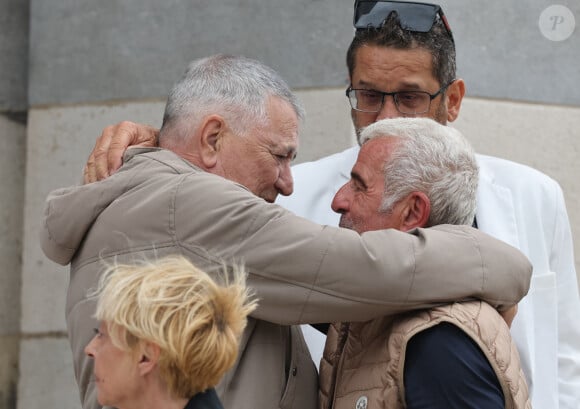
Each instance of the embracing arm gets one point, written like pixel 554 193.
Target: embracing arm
pixel 307 273
pixel 387 272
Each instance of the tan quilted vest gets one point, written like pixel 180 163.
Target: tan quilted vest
pixel 363 364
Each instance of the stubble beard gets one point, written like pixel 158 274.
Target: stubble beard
pixel 345 223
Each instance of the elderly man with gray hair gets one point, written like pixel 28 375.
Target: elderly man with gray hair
pixel 412 173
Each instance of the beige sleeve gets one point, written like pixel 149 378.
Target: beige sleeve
pixel 305 273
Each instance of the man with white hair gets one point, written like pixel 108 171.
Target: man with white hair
pixel 414 172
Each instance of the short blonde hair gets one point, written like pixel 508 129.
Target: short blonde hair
pixel 196 322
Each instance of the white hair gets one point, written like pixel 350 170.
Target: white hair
pixel 234 87
pixel 431 158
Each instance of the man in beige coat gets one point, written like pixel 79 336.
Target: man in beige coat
pixel 414 172
pixel 229 133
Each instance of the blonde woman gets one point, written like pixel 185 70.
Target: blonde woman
pixel 168 332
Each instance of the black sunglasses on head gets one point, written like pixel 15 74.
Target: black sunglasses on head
pixel 417 17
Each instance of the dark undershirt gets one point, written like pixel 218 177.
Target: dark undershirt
pixel 445 369
pixel 205 400
pixel 321 327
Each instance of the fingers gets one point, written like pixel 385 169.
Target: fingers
pixel 89 174
pixel 94 169
pixel 107 155
pixel 128 134
pixel 100 168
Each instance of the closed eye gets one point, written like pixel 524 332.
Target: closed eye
pixel 289 156
pixel 357 182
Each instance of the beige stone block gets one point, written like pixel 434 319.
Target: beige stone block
pixel 46 374
pixel 328 128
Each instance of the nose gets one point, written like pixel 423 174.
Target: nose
pixel 89 349
pixel 341 202
pixel 285 182
pixel 389 109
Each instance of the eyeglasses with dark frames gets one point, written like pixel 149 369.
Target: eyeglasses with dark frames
pixel 416 17
pixel 406 102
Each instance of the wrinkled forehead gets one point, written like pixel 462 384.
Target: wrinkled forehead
pixel 282 125
pixel 375 152
pixel 385 62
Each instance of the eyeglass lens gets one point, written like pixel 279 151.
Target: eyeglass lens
pixel 407 102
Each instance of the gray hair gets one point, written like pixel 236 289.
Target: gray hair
pixel 431 158
pixel 234 87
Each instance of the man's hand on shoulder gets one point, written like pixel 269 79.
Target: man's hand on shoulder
pixel 107 155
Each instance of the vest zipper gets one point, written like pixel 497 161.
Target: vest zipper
pixel 344 332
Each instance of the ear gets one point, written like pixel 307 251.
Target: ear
pixel 454 94
pixel 212 132
pixel 148 357
pixel 416 211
